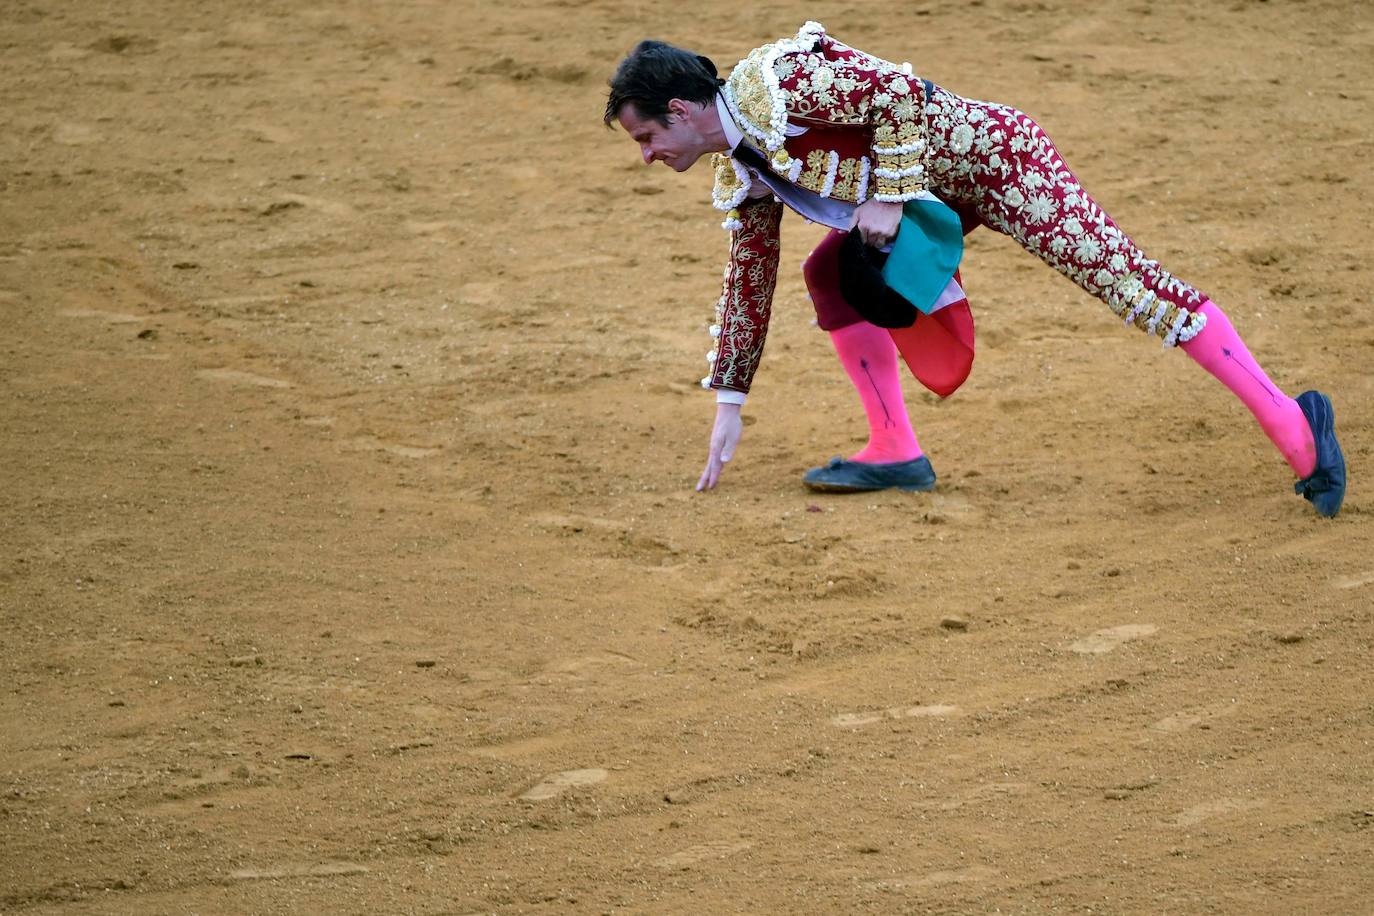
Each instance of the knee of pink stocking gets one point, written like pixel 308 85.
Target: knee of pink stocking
pixel 1219 350
pixel 870 358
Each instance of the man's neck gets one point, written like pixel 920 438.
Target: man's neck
pixel 727 133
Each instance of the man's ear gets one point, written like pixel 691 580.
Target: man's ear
pixel 680 109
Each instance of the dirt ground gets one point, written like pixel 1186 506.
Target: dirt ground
pixel 351 563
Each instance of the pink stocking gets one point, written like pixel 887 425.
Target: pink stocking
pixel 870 357
pixel 1219 350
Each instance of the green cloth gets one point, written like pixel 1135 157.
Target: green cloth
pixel 926 252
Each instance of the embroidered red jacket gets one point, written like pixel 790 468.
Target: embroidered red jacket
pixel 865 138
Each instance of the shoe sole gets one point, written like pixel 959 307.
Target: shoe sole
pixel 839 488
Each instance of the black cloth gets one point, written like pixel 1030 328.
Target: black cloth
pixel 863 286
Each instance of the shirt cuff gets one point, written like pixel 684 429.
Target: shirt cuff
pixel 729 397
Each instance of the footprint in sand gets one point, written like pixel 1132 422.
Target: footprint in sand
pixel 108 317
pixel 235 377
pixel 859 719
pixel 321 204
pixel 268 133
pixel 64 51
pixel 372 443
pixel 987 793
pixel 1182 721
pixel 323 870
pixel 717 849
pixel 934 879
pixel 430 227
pixel 1199 813
pixel 70 134
pixel 478 292
pixel 1107 640
pixel 1354 581
pixel 558 783
pixel 951 507
pixel 590 665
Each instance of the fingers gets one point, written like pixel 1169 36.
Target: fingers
pixel 878 222
pixel 710 476
pixel 875 238
pixel 705 482
pixel 711 473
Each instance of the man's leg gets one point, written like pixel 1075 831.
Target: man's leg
pixel 892 457
pixel 870 358
pixel 1219 350
pixel 1019 185
pixel 1302 428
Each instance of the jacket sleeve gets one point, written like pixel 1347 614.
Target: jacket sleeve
pixel 746 299
pixel 841 86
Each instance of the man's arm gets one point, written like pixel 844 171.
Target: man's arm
pixel 746 299
pixel 725 433
pixel 741 327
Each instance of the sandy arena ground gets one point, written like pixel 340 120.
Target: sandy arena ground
pixel 350 561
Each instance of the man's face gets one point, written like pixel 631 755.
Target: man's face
pixel 677 146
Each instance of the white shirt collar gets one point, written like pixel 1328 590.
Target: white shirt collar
pixel 733 135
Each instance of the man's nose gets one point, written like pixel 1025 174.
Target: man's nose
pixel 647 152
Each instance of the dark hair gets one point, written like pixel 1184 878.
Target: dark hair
pixel 655 73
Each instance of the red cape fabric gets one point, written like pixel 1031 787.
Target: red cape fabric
pixel 938 348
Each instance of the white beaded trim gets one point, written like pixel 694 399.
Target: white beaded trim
pixel 810 33
pixel 745 183
pixel 831 168
pixel 910 172
pixel 1179 334
pixel 913 147
pixel 776 133
pixel 1194 329
pixel 1140 307
pixel 1156 317
pixel 861 194
pixel 1179 320
pixel 777 122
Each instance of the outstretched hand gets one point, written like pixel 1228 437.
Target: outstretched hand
pixel 724 439
pixel 878 220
